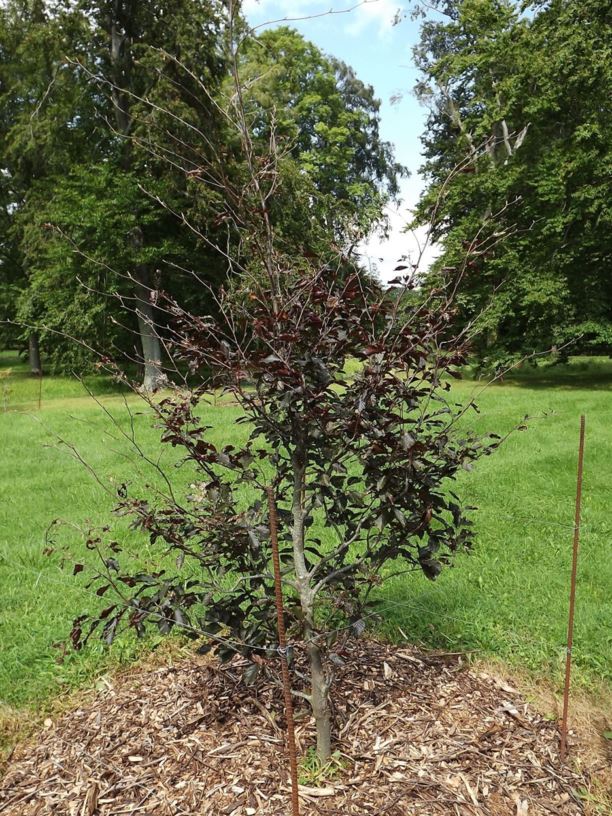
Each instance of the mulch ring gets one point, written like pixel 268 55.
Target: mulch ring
pixel 418 734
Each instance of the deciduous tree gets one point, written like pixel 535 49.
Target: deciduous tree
pixel 518 101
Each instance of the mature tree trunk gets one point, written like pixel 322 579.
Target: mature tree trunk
pixel 319 692
pixel 121 41
pixel 34 354
pixel 145 314
pixel 149 339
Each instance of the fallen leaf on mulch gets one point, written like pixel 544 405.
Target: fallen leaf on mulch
pixel 418 734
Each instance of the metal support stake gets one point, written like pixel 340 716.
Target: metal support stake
pixel 572 601
pixel 282 649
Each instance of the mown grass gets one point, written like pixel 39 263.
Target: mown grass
pixel 508 598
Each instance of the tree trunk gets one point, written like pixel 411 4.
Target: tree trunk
pixel 319 684
pixel 34 355
pixel 121 32
pixel 151 347
pixel 319 700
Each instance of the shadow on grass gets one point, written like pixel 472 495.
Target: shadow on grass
pixel 435 620
pixel 23 386
pixel 452 620
pixel 579 372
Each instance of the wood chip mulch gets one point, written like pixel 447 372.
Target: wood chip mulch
pixel 418 734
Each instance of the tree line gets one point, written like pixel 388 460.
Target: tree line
pixel 517 164
pixel 109 109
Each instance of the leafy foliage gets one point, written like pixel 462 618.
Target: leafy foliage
pixel 520 122
pixel 330 120
pixel 106 112
pixel 346 404
pixel 370 454
pixel 79 158
pixel 41 111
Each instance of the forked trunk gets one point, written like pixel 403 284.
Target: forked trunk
pixel 34 355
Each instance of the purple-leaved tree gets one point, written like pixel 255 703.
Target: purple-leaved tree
pixel 347 415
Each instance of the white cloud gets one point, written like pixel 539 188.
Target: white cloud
pixel 375 15
pixel 408 248
pixel 369 15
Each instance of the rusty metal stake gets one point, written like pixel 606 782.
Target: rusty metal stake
pixel 282 649
pixel 572 601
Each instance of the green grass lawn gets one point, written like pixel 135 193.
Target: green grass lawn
pixel 508 598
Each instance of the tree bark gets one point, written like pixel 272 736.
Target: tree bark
pixel 121 32
pixel 149 339
pixel 34 355
pixel 319 683
pixel 319 700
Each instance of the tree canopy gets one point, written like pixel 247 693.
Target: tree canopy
pixel 107 109
pixel 331 119
pixel 517 152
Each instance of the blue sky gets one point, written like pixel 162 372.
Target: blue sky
pixel 381 54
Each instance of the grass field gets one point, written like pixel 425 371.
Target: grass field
pixel 508 598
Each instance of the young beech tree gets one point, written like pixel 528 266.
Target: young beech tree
pixel 361 466
pixel 348 418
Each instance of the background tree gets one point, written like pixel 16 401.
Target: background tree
pixel 122 102
pixel 142 45
pixel 517 100
pixel 68 164
pixel 330 121
pixel 42 129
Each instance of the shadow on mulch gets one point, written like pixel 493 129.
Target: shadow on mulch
pixel 418 734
